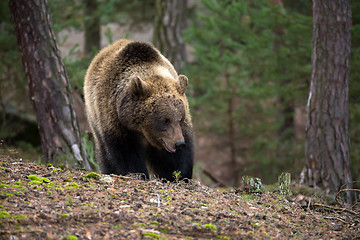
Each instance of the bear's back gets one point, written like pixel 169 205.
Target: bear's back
pixel 126 56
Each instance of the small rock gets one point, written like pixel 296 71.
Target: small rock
pixel 337 227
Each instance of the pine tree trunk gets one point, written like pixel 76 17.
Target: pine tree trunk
pixel 234 168
pixel 170 20
pixel 49 87
pixel 327 148
pixel 92 28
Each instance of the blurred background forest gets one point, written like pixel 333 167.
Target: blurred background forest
pixel 248 64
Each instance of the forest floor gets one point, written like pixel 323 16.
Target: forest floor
pixel 45 202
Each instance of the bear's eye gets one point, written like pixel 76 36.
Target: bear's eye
pixel 167 122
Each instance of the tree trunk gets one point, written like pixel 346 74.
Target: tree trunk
pixel 231 134
pixel 92 28
pixel 170 20
pixel 49 87
pixel 327 147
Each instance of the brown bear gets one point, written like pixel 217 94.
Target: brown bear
pixel 138 112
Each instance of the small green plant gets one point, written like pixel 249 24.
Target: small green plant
pixel 253 184
pixel 177 175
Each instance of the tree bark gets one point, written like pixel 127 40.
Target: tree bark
pixel 170 20
pixel 92 28
pixel 49 87
pixel 327 147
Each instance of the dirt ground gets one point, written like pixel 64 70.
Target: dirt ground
pixel 46 202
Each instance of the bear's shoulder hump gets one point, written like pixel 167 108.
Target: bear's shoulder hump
pixel 140 52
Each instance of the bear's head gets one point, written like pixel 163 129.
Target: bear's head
pixel 162 110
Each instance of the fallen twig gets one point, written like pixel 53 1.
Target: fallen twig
pixel 213 178
pixel 336 209
pixel 345 190
pixel 336 218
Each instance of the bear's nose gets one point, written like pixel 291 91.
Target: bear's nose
pixel 179 144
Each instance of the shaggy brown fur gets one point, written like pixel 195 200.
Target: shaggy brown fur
pixel 138 111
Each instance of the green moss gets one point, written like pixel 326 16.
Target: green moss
pixel 3 185
pixel 92 175
pixel 51 185
pixel 2 168
pixel 151 234
pixel 49 165
pixel 63 215
pixel 72 185
pixel 223 237
pixel 45 180
pixel 70 237
pixel 18 187
pixel 34 177
pixel 20 217
pixel 210 226
pixel 6 194
pixel 118 226
pixel 37 180
pixel 4 214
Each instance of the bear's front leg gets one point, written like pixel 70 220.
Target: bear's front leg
pixel 122 155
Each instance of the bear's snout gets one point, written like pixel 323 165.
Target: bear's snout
pixel 174 139
pixel 179 144
pixel 173 147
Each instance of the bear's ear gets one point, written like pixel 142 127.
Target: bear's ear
pixel 140 88
pixel 183 82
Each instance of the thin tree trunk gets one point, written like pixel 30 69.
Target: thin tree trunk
pixel 327 148
pixel 92 27
pixel 49 87
pixel 170 20
pixel 231 134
